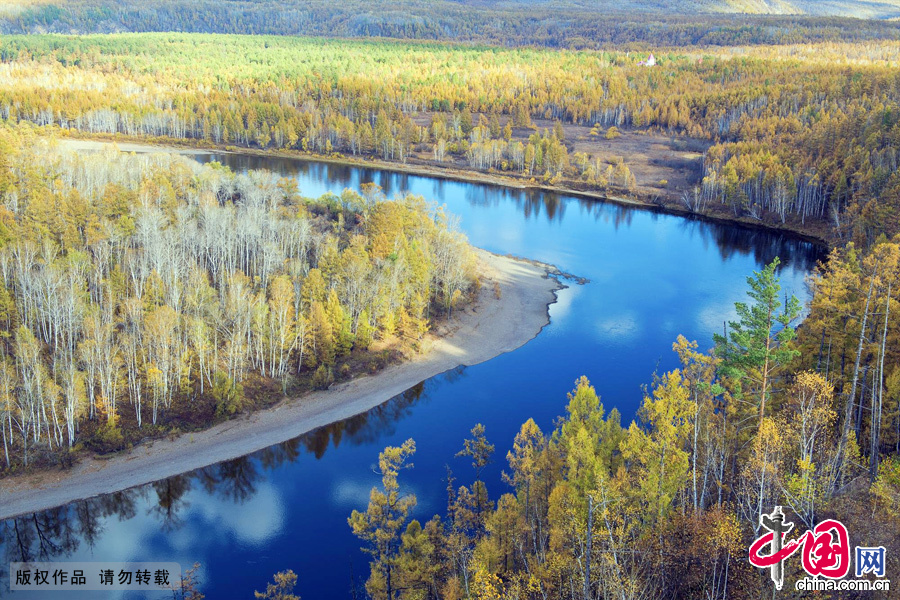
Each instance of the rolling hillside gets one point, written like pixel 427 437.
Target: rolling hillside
pixel 875 9
pixel 573 24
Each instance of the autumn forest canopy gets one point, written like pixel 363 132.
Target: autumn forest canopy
pixel 666 506
pixel 561 24
pixel 147 294
pixel 800 136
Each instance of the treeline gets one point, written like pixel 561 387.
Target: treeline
pixel 811 138
pixel 566 25
pixel 141 293
pixel 667 506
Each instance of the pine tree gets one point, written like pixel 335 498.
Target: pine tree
pixel 757 346
pixel 384 520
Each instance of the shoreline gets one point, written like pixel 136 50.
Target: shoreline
pixel 485 329
pixel 128 144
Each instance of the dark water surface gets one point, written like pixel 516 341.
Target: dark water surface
pixel 652 276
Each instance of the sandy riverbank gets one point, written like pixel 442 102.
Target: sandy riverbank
pixel 79 145
pixel 489 327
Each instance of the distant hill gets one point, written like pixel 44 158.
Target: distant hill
pixel 554 23
pixel 874 9
pixel 861 9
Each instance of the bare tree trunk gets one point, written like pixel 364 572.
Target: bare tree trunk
pixel 694 454
pixel 848 409
pixel 862 400
pixel 765 374
pixel 588 543
pixel 875 433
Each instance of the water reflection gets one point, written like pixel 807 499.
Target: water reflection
pixel 59 532
pixel 364 428
pixel 319 177
pixel 652 276
pixel 62 532
pixel 531 203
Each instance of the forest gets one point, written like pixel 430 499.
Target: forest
pixel 666 506
pixel 148 294
pixel 570 24
pixel 802 136
pixel 142 294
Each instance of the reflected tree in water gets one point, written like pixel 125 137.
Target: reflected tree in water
pixel 170 500
pixel 60 532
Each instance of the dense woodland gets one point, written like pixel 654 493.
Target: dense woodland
pixel 566 24
pixel 666 506
pixel 121 305
pixel 804 136
pixel 142 293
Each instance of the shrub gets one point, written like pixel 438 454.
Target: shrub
pixel 109 437
pixel 322 378
pixel 229 396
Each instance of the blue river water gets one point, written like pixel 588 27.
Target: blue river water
pixel 651 277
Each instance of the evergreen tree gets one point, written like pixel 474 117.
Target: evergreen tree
pixel 384 520
pixel 757 346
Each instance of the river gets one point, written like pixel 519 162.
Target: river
pixel 651 277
